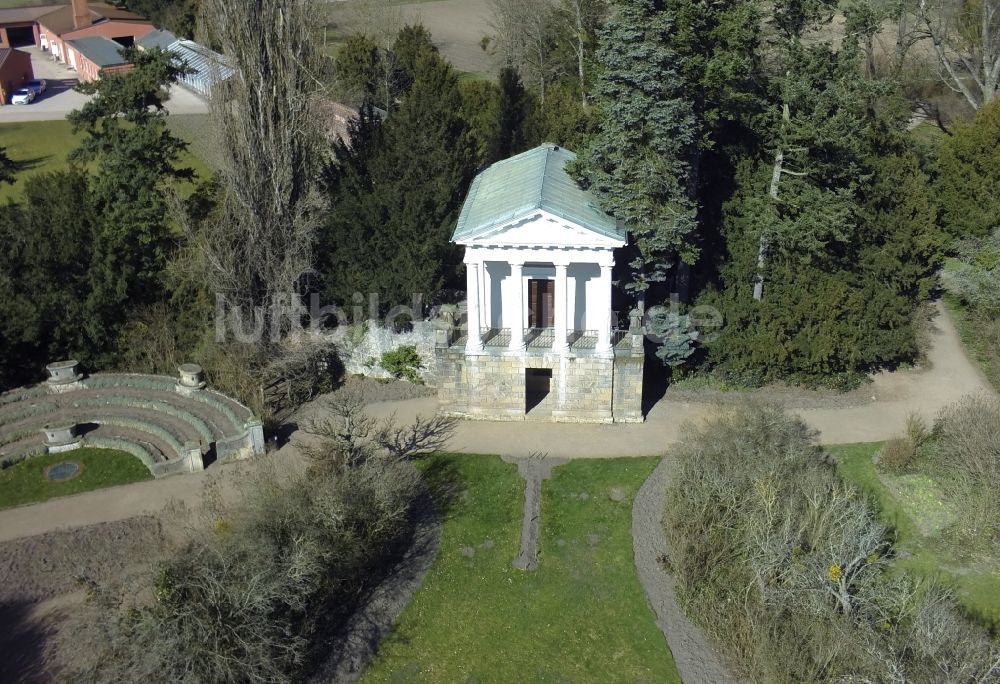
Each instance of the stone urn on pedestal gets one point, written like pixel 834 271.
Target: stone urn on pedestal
pixel 444 325
pixel 192 379
pixel 64 376
pixel 61 437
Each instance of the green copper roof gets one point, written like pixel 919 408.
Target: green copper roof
pixel 530 181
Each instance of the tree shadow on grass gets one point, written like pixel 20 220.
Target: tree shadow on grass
pixel 22 643
pixel 22 165
pixel 443 481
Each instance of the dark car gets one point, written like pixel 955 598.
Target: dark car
pixel 38 85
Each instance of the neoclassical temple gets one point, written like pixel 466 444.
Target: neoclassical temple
pixel 540 338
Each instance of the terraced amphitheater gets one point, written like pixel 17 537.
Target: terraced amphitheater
pixel 173 425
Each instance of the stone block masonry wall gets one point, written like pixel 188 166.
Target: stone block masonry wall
pixel 627 400
pixel 583 389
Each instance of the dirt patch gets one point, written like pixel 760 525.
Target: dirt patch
pixel 38 588
pixel 456 26
pixel 375 391
pixel 38 568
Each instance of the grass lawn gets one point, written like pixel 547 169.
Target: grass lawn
pixel 25 482
pixel 41 146
pixel 912 504
pixel 581 616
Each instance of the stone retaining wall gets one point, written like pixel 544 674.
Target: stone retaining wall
pixel 585 388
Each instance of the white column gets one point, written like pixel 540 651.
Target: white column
pixel 559 344
pixel 514 319
pixel 474 341
pixel 604 312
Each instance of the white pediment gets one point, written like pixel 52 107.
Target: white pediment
pixel 542 229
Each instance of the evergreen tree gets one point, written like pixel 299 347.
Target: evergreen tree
pixel 967 187
pixel 45 276
pixel 135 153
pixel 411 44
pixel 497 116
pixel 564 120
pixel 397 192
pixel 514 107
pixel 639 162
pixel 359 66
pixel 831 238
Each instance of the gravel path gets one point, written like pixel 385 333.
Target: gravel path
pixel 533 469
pixel 697 659
pixel 364 632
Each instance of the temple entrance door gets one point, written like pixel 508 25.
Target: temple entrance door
pixel 541 300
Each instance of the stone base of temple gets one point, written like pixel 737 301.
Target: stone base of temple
pixel 498 384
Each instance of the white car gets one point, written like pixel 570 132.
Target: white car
pixel 22 96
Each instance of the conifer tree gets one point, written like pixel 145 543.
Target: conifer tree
pixel 398 193
pixel 967 187
pixel 639 162
pixel 135 153
pixel 831 238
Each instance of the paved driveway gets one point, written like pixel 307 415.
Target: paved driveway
pixel 60 98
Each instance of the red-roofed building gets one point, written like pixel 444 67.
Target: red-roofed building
pixel 15 69
pixel 19 25
pixel 83 20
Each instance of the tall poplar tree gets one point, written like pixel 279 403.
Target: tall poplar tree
pixel 639 162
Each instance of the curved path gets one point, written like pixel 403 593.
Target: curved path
pixel 355 646
pixel 697 659
pixel 947 376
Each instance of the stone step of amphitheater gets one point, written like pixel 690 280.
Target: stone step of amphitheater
pixel 172 425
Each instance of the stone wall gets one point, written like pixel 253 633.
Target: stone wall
pixel 585 388
pixel 627 399
pixel 362 353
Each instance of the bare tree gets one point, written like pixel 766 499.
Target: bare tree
pixel 348 435
pixel 524 36
pixel 506 20
pixel 582 18
pixel 260 242
pixel 380 22
pixel 966 39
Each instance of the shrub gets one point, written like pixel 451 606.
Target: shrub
pixel 258 581
pixel 899 454
pixel 677 335
pixel 967 455
pixel 787 566
pixel 974 274
pixel 403 362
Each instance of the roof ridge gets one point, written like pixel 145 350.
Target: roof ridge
pixel 545 174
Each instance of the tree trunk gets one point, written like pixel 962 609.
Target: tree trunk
pixel 579 51
pixel 779 160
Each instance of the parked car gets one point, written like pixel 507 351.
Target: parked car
pixel 22 96
pixel 38 85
